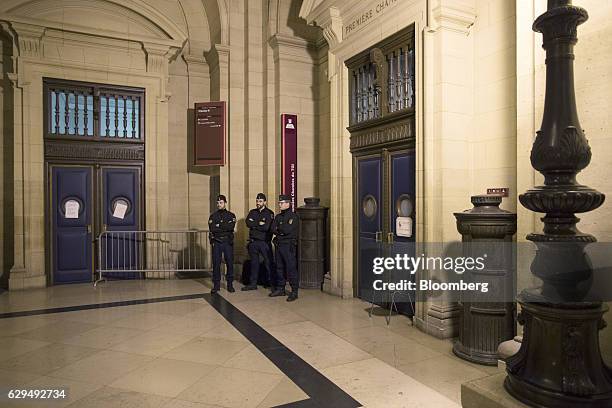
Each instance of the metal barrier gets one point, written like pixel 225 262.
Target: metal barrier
pixel 154 254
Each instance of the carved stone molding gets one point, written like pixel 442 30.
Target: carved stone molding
pixel 157 57
pixel 453 16
pixel 196 65
pixel 102 151
pixel 385 133
pixel 27 37
pixel 218 56
pixel 294 48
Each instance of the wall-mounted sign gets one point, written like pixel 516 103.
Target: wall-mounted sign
pixel 289 156
pixel 120 209
pixel 501 191
pixel 209 134
pixel 403 227
pixel 365 16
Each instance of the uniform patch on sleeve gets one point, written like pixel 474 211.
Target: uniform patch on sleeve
pixel 210 221
pixel 291 221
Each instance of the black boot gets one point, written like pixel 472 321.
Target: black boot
pixel 215 289
pixel 248 287
pixel 230 288
pixel 292 296
pixel 277 292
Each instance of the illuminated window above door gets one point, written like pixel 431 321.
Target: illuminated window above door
pixel 97 112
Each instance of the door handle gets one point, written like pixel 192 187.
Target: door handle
pixel 390 237
pixel 89 228
pixel 378 236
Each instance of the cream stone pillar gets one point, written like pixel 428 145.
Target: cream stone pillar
pixel 28 270
pixel 218 63
pixel 340 279
pixel 448 100
pixel 198 183
pixel 157 210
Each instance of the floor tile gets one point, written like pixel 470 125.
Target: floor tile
pixel 317 346
pixel 387 345
pixel 206 350
pixel 250 358
pixel 177 403
pixel 444 374
pixel 103 367
pixel 142 321
pixel 376 384
pixel 74 390
pixel 48 358
pixel 11 379
pixel 190 326
pixel 152 343
pixel 285 392
pixel 58 331
pixel 225 331
pixel 163 377
pixel 15 325
pixel 95 316
pixel 14 346
pixel 108 397
pixel 103 337
pixel 269 314
pixel 230 387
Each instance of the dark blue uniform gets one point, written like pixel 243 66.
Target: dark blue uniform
pixel 260 236
pixel 285 228
pixel 221 224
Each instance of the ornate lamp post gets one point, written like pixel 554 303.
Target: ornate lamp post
pixel 559 363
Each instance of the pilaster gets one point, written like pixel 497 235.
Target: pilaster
pixel 449 97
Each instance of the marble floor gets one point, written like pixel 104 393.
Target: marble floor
pixel 182 349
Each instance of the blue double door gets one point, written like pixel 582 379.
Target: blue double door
pixel 385 199
pixel 85 200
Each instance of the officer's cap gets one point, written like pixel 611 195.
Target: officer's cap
pixel 261 196
pixel 284 197
pixel 221 197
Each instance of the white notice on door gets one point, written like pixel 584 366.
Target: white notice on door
pixel 71 209
pixel 120 209
pixel 403 227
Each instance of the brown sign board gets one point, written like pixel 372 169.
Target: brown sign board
pixel 209 133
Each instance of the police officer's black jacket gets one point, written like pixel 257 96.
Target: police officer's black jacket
pixel 259 223
pixel 221 225
pixel 285 227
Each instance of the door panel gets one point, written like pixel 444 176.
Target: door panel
pixel 403 207
pixel 369 205
pixel 120 208
pixel 71 240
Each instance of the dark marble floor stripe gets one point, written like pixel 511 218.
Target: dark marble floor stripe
pixel 322 392
pixel 99 305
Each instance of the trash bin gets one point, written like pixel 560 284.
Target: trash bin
pixel 312 243
pixel 487 318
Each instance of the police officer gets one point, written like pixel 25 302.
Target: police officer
pixel 285 228
pixel 221 225
pixel 259 220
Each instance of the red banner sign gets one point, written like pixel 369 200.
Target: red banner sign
pixel 289 156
